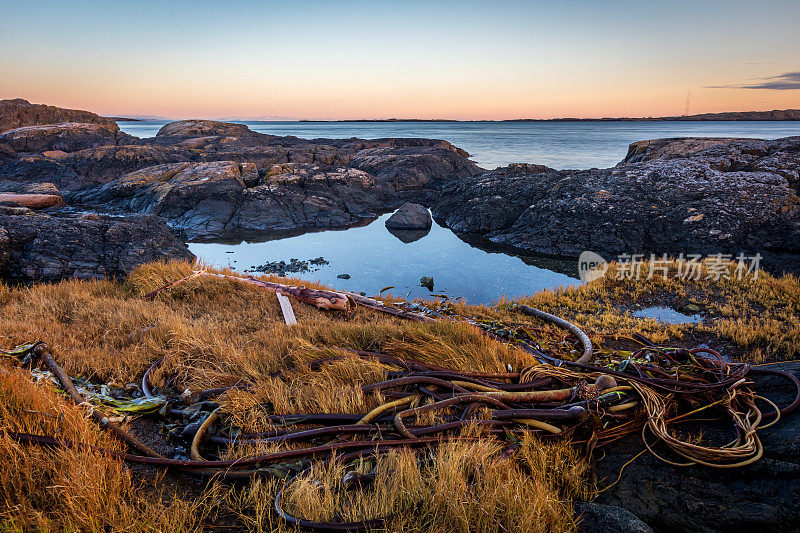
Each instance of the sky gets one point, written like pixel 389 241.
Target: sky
pixel 381 59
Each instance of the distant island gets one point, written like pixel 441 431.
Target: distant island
pixel 774 115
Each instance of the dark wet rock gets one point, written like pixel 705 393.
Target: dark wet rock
pixel 709 197
pixel 414 168
pixel 755 498
pixel 294 266
pixel 201 197
pixel 206 198
pixel 18 113
pixel 40 247
pixel 599 518
pixel 427 282
pixel 410 217
pixel 409 235
pixel 29 188
pixel 343 276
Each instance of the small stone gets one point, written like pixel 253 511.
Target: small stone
pixel 343 276
pixel 427 282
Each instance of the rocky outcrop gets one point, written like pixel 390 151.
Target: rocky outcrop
pixel 410 217
pixel 204 128
pixel 208 198
pixel 79 155
pixel 58 139
pixel 18 113
pixel 759 497
pixel 672 196
pixel 413 168
pixel 201 197
pixel 668 196
pixel 40 247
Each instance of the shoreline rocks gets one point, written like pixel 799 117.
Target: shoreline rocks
pixel 207 178
pixel 18 112
pixel 410 217
pixel 41 247
pixel 704 196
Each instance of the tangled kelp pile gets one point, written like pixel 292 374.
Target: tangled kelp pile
pixel 417 408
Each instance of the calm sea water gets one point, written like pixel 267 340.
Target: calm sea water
pixel 375 258
pixel 561 145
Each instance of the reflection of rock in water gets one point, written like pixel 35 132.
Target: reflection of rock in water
pixel 562 265
pixel 409 235
pixel 254 236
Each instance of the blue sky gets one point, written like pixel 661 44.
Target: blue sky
pixel 382 59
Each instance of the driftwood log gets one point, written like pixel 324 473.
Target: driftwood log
pixel 316 297
pixel 31 201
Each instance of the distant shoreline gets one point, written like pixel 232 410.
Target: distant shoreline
pixel 775 115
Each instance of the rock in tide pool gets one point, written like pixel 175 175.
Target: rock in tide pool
pixel 410 216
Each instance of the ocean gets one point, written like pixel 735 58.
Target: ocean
pixel 560 145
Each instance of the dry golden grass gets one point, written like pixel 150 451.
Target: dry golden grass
pixel 71 489
pixel 759 317
pixel 214 332
pixel 462 486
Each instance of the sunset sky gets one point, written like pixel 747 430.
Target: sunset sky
pixel 464 60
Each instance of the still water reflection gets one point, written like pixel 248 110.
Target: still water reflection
pixel 375 258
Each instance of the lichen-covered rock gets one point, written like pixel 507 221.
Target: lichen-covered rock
pixel 201 197
pixel 17 113
pixel 40 247
pixel 716 197
pixel 203 128
pixel 61 138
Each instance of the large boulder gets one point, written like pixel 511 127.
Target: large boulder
pixel 201 197
pixel 18 113
pixel 411 217
pixel 61 138
pixel 39 168
pixel 40 247
pixel 204 128
pixel 413 168
pixel 727 197
pixel 296 196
